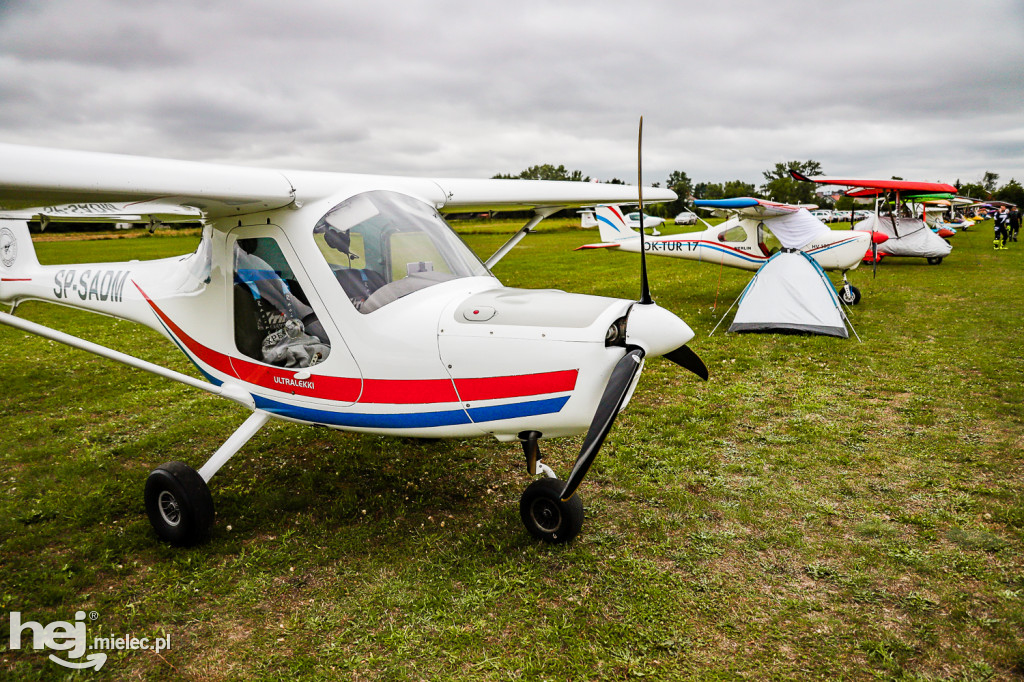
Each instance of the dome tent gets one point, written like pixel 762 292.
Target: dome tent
pixel 790 294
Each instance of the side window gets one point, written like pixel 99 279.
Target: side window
pixel 382 246
pixel 413 252
pixel 274 322
pixel 736 233
pixel 766 240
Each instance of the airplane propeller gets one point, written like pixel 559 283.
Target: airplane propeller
pixel 614 396
pixel 649 330
pixel 876 239
pixel 645 287
pixel 688 360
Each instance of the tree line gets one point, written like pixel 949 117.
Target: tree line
pixel 778 186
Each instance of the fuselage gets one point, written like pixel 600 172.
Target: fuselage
pixel 362 312
pixel 742 243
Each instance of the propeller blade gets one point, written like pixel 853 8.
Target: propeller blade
pixel 614 396
pixel 645 287
pixel 687 359
pixel 895 218
pixel 876 239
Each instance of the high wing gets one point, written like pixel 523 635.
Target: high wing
pixel 516 195
pixel 34 176
pixel 910 194
pixel 792 224
pixel 750 207
pixel 900 185
pixel 106 212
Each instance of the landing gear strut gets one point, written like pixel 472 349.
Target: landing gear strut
pixel 546 516
pixel 178 500
pixel 849 294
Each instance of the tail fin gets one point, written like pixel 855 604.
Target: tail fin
pixel 613 225
pixel 587 219
pixel 17 255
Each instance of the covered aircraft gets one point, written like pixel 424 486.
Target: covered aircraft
pixel 908 235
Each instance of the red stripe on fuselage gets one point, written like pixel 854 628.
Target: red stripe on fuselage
pixel 492 388
pixel 388 391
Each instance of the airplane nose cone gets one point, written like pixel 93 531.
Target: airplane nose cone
pixel 656 330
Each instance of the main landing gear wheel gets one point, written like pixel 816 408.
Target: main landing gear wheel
pixel 934 260
pixel 851 298
pixel 179 504
pixel 546 516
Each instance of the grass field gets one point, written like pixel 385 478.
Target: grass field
pixel 820 509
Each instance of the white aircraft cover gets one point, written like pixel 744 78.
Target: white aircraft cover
pixel 793 230
pixel 915 239
pixel 790 294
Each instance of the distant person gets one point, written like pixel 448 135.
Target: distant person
pixel 1002 224
pixel 1014 223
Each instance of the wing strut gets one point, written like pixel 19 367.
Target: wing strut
pixel 229 391
pixel 538 215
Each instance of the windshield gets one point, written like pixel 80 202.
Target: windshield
pixel 382 246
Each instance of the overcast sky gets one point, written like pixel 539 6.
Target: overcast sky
pixel 869 88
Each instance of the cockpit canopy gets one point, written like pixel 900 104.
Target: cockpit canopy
pixel 383 245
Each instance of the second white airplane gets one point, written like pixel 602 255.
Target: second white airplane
pixel 740 241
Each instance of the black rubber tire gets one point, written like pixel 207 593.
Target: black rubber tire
pixel 934 260
pixel 179 504
pixel 854 299
pixel 546 516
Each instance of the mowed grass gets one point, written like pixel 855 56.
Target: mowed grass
pixel 820 509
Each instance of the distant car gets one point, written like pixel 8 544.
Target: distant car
pixel 823 215
pixel 633 220
pixel 844 216
pixel 686 218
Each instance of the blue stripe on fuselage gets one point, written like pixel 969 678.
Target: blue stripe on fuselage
pixel 829 247
pixel 411 420
pixel 732 252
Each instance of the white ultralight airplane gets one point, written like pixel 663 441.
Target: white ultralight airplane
pixel 740 241
pixel 345 301
pixel 588 220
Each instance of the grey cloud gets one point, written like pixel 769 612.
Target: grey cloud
pixel 461 88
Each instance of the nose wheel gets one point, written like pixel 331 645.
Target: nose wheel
pixel 545 514
pixel 849 294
